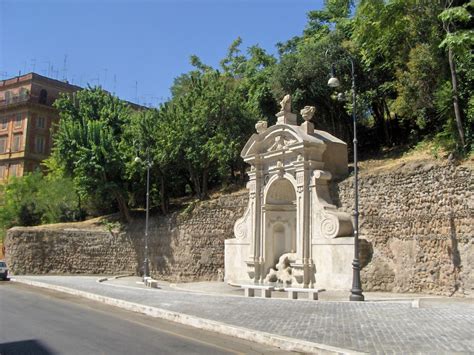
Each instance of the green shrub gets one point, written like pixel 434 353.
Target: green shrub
pixel 36 199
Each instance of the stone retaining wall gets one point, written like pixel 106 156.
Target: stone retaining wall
pixel 184 246
pixel 419 227
pixel 190 246
pixel 416 223
pixel 32 250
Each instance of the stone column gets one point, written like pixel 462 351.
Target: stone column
pixel 263 234
pixel 299 217
pixel 302 223
pixel 255 260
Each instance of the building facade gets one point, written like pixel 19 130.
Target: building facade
pixel 27 118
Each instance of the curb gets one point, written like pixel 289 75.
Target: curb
pixel 282 342
pixel 103 279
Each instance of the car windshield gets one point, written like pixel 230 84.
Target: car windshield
pixel 2 264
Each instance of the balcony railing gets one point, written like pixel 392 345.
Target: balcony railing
pixel 21 99
pixel 14 100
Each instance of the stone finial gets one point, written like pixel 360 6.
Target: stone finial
pixel 285 116
pixel 261 126
pixel 286 104
pixel 308 112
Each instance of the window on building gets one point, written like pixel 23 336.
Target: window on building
pixel 39 144
pixel 43 97
pixel 8 96
pixel 23 93
pixel 4 122
pixel 17 142
pixel 18 120
pixel 40 122
pixel 3 144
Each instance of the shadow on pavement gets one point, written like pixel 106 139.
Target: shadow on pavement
pixel 25 347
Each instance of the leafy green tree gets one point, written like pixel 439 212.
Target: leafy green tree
pixel 151 137
pixel 252 74
pixel 386 34
pixel 416 88
pixel 87 145
pixel 459 40
pixel 209 123
pixel 36 199
pixel 305 63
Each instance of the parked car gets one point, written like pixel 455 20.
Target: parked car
pixel 3 270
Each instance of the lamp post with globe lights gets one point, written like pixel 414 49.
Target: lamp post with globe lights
pixel 146 266
pixel 356 291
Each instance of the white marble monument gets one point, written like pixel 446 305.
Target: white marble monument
pixel 291 232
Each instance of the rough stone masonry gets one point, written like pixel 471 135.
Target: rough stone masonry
pixel 417 221
pixel 416 229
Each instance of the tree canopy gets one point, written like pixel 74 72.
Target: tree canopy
pixel 87 145
pixel 414 77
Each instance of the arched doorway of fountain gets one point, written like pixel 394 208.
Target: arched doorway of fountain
pixel 279 217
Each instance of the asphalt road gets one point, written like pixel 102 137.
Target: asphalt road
pixel 37 321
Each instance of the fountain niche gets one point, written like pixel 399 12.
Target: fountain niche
pixel 291 232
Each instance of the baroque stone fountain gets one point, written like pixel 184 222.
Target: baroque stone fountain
pixel 291 232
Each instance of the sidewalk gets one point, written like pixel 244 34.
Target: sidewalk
pixel 385 323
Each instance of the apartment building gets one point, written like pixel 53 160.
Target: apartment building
pixel 26 119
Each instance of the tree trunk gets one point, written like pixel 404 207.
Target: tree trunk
pixel 196 184
pixel 454 82
pixel 379 123
pixel 122 205
pixel 205 178
pixel 388 123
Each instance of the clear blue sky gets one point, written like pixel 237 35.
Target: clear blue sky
pixel 137 48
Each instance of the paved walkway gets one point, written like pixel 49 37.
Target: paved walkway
pixel 380 325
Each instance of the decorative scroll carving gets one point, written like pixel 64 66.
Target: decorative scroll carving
pixel 333 224
pixel 329 222
pixel 281 142
pixel 242 226
pixel 329 225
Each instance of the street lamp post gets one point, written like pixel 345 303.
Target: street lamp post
pixel 146 268
pixel 356 291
